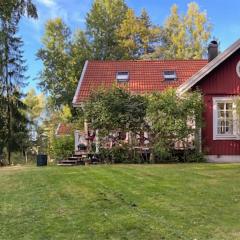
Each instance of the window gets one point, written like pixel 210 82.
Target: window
pixel 170 75
pixel 238 69
pixel 224 119
pixel 122 76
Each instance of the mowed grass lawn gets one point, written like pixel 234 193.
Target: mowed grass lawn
pixel 178 201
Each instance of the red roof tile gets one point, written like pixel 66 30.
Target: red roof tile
pixel 63 129
pixel 144 76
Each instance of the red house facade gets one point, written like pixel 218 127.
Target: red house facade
pixel 218 79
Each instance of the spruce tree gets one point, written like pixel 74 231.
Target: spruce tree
pixel 12 74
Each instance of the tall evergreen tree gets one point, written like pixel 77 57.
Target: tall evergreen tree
pixel 13 67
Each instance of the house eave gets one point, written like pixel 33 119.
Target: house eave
pixel 208 68
pixel 74 102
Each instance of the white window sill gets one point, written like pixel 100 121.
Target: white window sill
pixel 226 137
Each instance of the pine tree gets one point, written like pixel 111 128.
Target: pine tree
pixel 13 69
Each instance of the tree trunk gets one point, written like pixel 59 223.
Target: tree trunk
pixel 9 157
pixel 26 157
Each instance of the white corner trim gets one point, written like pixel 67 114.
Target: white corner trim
pixel 208 68
pixel 215 101
pixel 74 102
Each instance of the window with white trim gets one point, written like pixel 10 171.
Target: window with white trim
pixel 122 76
pixel 224 119
pixel 170 75
pixel 238 69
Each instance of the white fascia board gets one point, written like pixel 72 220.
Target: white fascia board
pixel 208 68
pixel 74 102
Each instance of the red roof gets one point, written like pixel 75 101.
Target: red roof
pixel 63 129
pixel 145 76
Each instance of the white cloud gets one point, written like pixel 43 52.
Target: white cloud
pixel 47 3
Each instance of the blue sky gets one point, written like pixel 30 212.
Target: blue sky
pixel 224 15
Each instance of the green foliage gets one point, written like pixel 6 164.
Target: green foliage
pixel 16 8
pixel 119 154
pixel 12 74
pixel 103 21
pixel 184 36
pixel 117 33
pixel 115 108
pixel 35 105
pixel 170 117
pixel 137 36
pixel 62 147
pixel 63 56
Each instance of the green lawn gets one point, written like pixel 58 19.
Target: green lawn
pixel 192 201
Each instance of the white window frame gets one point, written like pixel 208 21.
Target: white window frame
pixel 235 135
pixel 122 76
pixel 238 69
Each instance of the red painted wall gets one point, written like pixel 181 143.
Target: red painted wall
pixel 223 81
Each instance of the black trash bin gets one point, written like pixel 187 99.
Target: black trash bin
pixel 41 160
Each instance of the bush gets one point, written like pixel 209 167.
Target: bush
pixel 120 154
pixel 173 118
pixel 62 147
pixel 179 156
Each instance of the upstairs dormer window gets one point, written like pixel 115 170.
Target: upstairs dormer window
pixel 170 75
pixel 122 76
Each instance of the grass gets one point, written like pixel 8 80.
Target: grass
pixel 192 201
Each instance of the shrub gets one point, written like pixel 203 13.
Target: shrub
pixel 180 156
pixel 62 147
pixel 120 154
pixel 171 119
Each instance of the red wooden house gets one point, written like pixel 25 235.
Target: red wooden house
pixel 218 78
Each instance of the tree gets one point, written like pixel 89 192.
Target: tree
pixel 63 57
pixel 80 51
pixel 54 78
pixel 128 34
pixel 184 36
pixel 115 109
pixel 47 128
pixel 8 8
pixel 18 134
pixel 149 34
pixel 198 32
pixel 35 105
pixel 173 119
pixel 137 36
pixel 13 68
pixel 3 123
pixel 103 21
